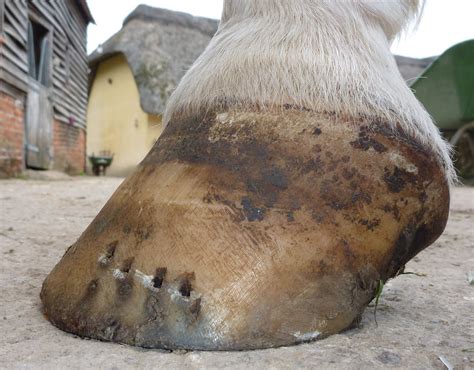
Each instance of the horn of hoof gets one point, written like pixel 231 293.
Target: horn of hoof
pixel 250 229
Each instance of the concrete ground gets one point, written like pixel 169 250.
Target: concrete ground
pixel 422 320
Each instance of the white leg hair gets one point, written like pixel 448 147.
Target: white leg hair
pixel 324 55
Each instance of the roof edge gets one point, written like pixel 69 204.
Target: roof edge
pixel 166 16
pixel 87 12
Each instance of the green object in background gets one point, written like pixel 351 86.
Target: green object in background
pixel 100 163
pixel 446 87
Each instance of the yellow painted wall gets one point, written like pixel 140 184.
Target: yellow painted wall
pixel 115 120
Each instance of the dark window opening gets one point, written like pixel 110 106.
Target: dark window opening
pixel 38 52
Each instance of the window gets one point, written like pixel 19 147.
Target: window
pixel 39 52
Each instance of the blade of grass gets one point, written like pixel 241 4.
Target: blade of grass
pixel 378 293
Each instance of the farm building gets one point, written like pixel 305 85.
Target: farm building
pixel 132 75
pixel 43 85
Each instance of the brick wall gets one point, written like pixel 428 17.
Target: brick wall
pixel 11 135
pixel 69 145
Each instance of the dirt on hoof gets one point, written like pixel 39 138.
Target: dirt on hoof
pixel 422 319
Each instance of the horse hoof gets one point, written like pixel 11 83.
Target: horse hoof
pixel 250 229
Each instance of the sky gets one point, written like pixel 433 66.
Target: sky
pixel 444 22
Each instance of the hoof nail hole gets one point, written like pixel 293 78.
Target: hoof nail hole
pixel 186 287
pixel 111 249
pixel 126 265
pixel 159 277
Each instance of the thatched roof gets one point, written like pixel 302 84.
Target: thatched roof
pixel 411 68
pixel 159 45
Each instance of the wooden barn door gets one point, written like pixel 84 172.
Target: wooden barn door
pixel 39 111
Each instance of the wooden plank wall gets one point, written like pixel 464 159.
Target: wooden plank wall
pixel 2 9
pixel 14 58
pixel 69 57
